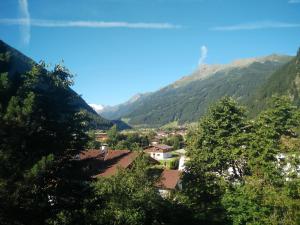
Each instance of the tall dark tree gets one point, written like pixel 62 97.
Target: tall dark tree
pixel 40 131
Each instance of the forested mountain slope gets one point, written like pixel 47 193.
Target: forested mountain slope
pixel 17 64
pixel 285 81
pixel 188 98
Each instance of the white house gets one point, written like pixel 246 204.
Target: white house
pixel 182 161
pixel 159 152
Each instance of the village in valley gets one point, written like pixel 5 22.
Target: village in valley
pixel 165 149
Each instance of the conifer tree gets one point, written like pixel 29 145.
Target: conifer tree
pixel 40 131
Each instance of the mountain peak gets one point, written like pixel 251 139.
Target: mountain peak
pixel 204 71
pixel 262 59
pixel 135 97
pixel 207 70
pixel 98 108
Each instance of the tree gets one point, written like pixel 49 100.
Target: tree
pixel 92 143
pixel 270 192
pixel 265 136
pixel 131 141
pixel 176 141
pixel 220 139
pixel 41 131
pixel 213 148
pixel 129 197
pixel 113 136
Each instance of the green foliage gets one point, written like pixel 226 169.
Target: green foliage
pixel 220 138
pixel 129 197
pixel 174 164
pixel 92 143
pixel 113 136
pixel 176 141
pixel 258 203
pixel 265 136
pixel 96 121
pixel 214 147
pixel 285 81
pixel 269 195
pixel 131 141
pixel 260 190
pixel 41 131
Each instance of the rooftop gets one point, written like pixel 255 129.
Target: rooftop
pixel 103 164
pixel 169 179
pixel 159 148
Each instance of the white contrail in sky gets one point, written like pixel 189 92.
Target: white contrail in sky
pixel 88 24
pixel 256 26
pixel 25 17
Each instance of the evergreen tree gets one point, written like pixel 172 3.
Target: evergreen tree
pixel 40 133
pixel 214 148
pixel 269 194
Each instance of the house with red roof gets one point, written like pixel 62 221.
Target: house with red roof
pixel 106 163
pixel 159 152
pixel 169 181
pixel 100 163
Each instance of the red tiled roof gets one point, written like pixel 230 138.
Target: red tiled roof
pixel 103 165
pixel 169 179
pixel 159 148
pixel 92 153
pixel 122 158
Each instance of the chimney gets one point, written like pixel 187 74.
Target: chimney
pixel 104 149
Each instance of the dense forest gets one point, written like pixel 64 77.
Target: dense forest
pixel 285 81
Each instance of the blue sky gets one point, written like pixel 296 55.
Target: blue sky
pixel 117 48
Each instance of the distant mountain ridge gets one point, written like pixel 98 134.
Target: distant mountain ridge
pixel 188 98
pixel 116 112
pixel 98 108
pixel 20 64
pixel 205 70
pixel 285 81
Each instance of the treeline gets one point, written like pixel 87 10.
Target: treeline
pixel 235 174
pixel 134 141
pixel 131 141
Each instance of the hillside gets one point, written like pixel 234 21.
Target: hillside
pixel 188 98
pixel 118 111
pixel 285 81
pixel 19 64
